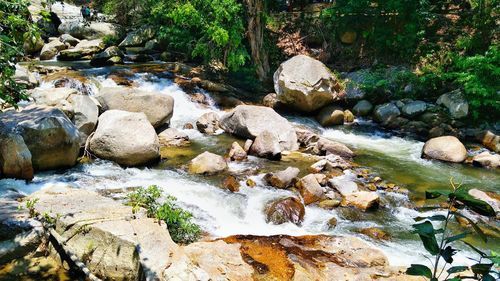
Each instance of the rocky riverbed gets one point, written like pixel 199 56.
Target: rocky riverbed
pixel 299 185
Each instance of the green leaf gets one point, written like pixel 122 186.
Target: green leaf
pixel 432 218
pixel 488 277
pixel 454 279
pixel 474 225
pixel 419 270
pixel 481 268
pixel 457 237
pixel 474 204
pixel 457 269
pixel 433 194
pixel 448 254
pixel 428 236
pixel 481 253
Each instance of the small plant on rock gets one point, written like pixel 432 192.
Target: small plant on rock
pixel 180 226
pixel 457 199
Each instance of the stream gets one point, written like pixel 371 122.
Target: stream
pixel 221 213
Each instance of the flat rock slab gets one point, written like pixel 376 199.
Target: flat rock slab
pixel 113 243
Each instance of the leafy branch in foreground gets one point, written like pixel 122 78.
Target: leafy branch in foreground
pixel 181 228
pixel 457 199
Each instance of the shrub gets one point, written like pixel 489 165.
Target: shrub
pixel 181 228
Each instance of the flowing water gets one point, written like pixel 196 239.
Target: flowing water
pixel 221 213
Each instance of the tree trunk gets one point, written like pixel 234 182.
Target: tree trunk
pixel 255 32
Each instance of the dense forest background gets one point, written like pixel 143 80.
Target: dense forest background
pixel 436 46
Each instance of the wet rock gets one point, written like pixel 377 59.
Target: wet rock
pixel 138 37
pixel 83 50
pixel 414 109
pixel 126 138
pixel 486 160
pixel 332 223
pixel 348 116
pixel 457 105
pixel 310 189
pixel 173 137
pixel 237 153
pixel 188 126
pixel 208 123
pixel 362 108
pixel 15 157
pixel 489 140
pixel 93 30
pixel 306 84
pixel 208 164
pixel 363 200
pixel 447 148
pixel 282 179
pixel 248 121
pixel 329 204
pixel 250 183
pixel 157 107
pixel 385 112
pixel 231 183
pixel 375 233
pixel 266 145
pixel 285 210
pixel 325 147
pixel 270 100
pixel 331 116
pixel 335 162
pixel 306 137
pixel 53 141
pixel 343 186
pixel 68 39
pixel 107 57
pixel 50 50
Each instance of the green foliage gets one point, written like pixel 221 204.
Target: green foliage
pixel 110 40
pixel 457 198
pixel 30 205
pixel 181 228
pixel 15 29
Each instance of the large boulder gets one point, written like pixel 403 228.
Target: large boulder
pixel 282 179
pixel 93 30
pixel 126 138
pixel 385 112
pixel 457 105
pixel 285 210
pixel 208 123
pixel 414 108
pixel 207 164
pixel 331 116
pixel 446 148
pixel 50 50
pixel 107 57
pixel 266 145
pixel 15 157
pixel 249 121
pixel 157 107
pixel 362 108
pixel 83 50
pixel 53 141
pixel 138 37
pixel 306 84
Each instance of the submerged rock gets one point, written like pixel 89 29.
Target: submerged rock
pixel 157 107
pixel 249 121
pixel 306 84
pixel 207 163
pixel 447 148
pixel 126 138
pixel 282 179
pixel 285 210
